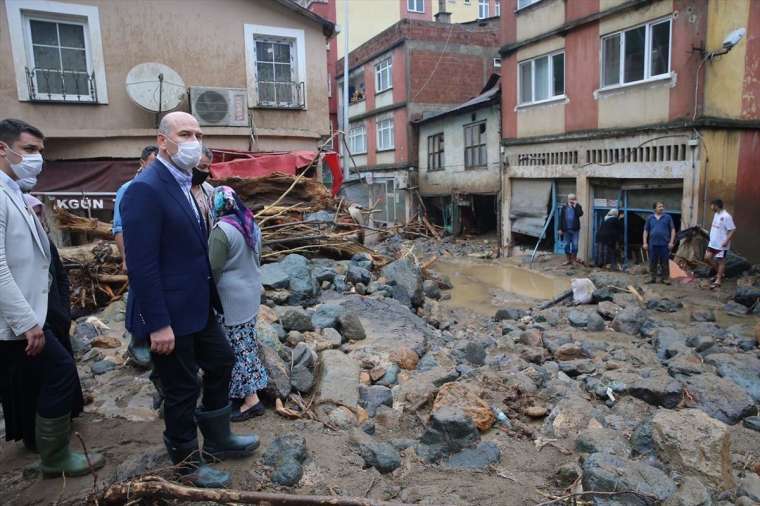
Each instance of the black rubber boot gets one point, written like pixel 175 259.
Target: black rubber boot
pixel 52 436
pixel 193 469
pixel 218 439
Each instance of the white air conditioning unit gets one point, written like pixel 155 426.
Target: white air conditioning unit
pixel 219 106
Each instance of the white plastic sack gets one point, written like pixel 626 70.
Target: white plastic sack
pixel 583 289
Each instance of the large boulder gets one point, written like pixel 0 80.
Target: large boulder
pixel 657 389
pixel 720 398
pixel 286 455
pixel 406 275
pixel 747 295
pixel 303 286
pixel 694 444
pixel 274 276
pixel 603 472
pixel 629 320
pixel 326 316
pixel 568 417
pixel 351 327
pixel 450 431
pixel 600 439
pixel 356 274
pixel 338 379
pixel 296 319
pixel 372 397
pixel 382 456
pixel 743 369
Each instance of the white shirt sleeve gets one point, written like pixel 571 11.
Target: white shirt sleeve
pixel 728 223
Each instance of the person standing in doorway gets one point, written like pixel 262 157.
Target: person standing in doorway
pixel 607 239
pixel 174 295
pixel 721 233
pixel 570 227
pixel 659 239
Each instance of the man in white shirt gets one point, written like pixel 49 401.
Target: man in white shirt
pixel 721 233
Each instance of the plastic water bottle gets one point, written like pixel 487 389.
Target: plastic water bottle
pixel 501 417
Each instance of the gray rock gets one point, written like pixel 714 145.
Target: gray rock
pixel 752 422
pixel 450 430
pixel 294 338
pixel 747 295
pixel 664 305
pixel 577 367
pixel 286 454
pixel 102 367
pixel 303 286
pixel 356 274
pixel 603 472
pixel 602 294
pixel 720 398
pixel 340 283
pixel 690 493
pixel 550 316
pixel 279 297
pixel 339 378
pixel 481 457
pixel 361 289
pixel 79 345
pixel 372 397
pixel 735 309
pixel 595 323
pixel 667 342
pixel 382 456
pixel 363 260
pixel 629 320
pixel 326 316
pixel 604 440
pixel 703 315
pixel 509 314
pixel 406 275
pixel 302 379
pixel 474 353
pixel 743 369
pixel 749 486
pixel 342 418
pixel 319 216
pixel 390 377
pixel 351 327
pixel 273 276
pixel 141 463
pixel 567 474
pixel 333 337
pixel 278 385
pixel 642 440
pixel 324 273
pixel 659 389
pixel 578 319
pixel 431 289
pixel 86 331
pixel 608 310
pixel 700 343
pixel 427 362
pixel 296 319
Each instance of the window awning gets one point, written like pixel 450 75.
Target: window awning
pixel 530 205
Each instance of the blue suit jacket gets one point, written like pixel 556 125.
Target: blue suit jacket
pixel 170 280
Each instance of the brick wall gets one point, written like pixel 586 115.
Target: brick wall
pixel 433 82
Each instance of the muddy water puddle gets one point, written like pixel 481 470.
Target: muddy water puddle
pixel 484 286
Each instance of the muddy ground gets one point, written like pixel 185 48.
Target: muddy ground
pixel 121 423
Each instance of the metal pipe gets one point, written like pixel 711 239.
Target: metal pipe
pixel 346 98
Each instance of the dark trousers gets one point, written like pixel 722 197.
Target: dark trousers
pixel 606 254
pixel 178 372
pixel 659 260
pixel 46 380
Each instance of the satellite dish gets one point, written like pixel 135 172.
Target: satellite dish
pixel 155 87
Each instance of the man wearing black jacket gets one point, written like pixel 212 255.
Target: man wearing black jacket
pixel 570 227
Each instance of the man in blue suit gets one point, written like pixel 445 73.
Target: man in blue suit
pixel 172 297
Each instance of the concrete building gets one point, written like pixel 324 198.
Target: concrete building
pixel 399 76
pixel 326 9
pixel 625 102
pixel 460 162
pixel 368 18
pixel 66 62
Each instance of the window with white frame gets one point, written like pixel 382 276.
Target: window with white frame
pixel 636 54
pixel 482 9
pixel 275 66
pixel 385 134
pixel 57 51
pixel 475 153
pixel 435 152
pixel 357 139
pixel 541 79
pixel 521 4
pixel 415 5
pixel 383 76
pixel 498 8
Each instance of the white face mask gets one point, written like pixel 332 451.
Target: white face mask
pixel 26 184
pixel 188 154
pixel 29 166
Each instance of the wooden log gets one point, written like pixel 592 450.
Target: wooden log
pixel 74 223
pixel 153 487
pixel 85 254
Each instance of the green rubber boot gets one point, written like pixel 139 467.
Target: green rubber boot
pixel 52 435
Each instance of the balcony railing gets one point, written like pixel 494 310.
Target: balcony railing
pixel 50 85
pixel 281 95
